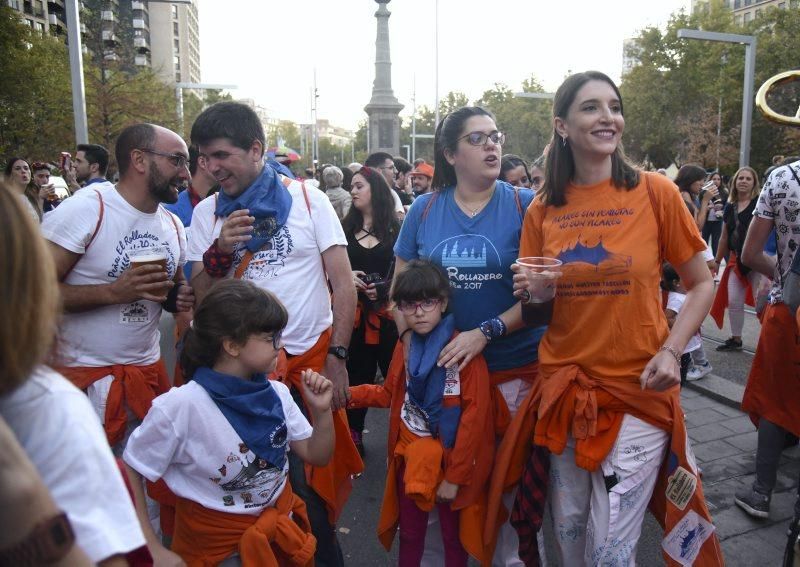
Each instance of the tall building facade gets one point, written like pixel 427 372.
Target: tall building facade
pixel 175 37
pixel 137 33
pixel 745 11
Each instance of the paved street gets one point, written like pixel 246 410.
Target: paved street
pixel 724 444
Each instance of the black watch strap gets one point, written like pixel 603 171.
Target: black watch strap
pixel 339 352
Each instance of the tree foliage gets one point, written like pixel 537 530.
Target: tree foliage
pixel 680 88
pixel 36 118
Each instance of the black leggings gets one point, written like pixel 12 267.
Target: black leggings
pixel 365 360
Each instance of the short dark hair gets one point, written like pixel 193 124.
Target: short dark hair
pixel 447 134
pixel 560 164
pixel 420 279
pixel 377 159
pixel 232 120
pixel 235 310
pixel 139 136
pixel 39 166
pixel 402 165
pixel 194 158
pixel 95 153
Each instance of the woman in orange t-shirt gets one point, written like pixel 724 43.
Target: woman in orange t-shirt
pixel 607 405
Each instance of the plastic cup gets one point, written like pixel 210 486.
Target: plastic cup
pixel 151 255
pixel 543 274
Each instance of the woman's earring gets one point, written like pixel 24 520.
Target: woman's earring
pixel 564 141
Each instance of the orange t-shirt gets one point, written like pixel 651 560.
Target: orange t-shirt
pixel 607 316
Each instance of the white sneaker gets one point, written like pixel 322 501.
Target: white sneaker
pixel 698 371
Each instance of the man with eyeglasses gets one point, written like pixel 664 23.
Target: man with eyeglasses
pixel 109 331
pixel 284 236
pixel 384 163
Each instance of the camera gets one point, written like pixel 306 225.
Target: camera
pixel 381 285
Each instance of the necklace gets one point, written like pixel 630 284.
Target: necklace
pixel 473 212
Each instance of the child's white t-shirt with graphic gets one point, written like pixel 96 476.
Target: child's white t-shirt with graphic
pixel 186 440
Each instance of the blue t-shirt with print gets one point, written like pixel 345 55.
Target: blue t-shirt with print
pixel 477 253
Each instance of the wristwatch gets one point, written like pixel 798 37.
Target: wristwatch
pixel 339 352
pixel 48 542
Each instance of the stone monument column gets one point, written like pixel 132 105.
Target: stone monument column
pixel 383 108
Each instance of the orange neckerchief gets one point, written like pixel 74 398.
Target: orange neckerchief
pixel 279 536
pixel 134 386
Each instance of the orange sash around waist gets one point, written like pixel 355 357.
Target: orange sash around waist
pixel 134 386
pixel 773 387
pixel 371 319
pixel 590 409
pixel 332 482
pixel 423 457
pixel 721 298
pixel 280 536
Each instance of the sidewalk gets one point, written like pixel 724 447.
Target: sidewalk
pixel 724 441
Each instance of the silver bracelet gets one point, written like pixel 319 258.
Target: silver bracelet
pixel 673 352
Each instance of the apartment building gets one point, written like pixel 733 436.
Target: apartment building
pixel 745 11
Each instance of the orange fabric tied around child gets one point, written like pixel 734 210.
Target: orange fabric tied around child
pixel 721 298
pixel 280 536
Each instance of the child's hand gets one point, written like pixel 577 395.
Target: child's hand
pixel 446 492
pixel 317 390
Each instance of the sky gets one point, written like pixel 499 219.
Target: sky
pixel 270 49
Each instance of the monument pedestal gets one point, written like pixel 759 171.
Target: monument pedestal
pixel 383 108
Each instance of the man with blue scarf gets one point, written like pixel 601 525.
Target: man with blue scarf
pixel 273 231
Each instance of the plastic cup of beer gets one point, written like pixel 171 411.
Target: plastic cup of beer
pixel 543 274
pixel 152 255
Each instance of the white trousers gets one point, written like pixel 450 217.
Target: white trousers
pixel 597 516
pixel 506 552
pixel 736 297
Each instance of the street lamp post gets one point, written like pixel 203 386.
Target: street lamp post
pixel 749 43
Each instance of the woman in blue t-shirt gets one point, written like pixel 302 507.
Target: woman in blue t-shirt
pixel 470 224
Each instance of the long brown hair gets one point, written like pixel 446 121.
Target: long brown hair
pixel 560 163
pixel 31 190
pixel 754 192
pixel 29 296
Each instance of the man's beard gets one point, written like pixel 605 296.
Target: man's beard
pixel 161 185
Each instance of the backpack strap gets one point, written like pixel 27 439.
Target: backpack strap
pixel 99 221
pixel 659 221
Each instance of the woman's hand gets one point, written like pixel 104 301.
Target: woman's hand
pixel 661 373
pixel 359 283
pixel 371 292
pixel 462 349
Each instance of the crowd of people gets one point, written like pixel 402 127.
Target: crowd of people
pixel 528 326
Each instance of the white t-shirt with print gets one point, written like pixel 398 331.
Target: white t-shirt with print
pixel 55 424
pixel 290 265
pixel 413 417
pixel 186 440
pixel 675 303
pixel 780 202
pixel 113 334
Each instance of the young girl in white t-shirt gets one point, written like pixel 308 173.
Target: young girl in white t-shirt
pixel 220 442
pixel 671 283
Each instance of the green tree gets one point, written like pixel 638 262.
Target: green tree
pixel 680 88
pixel 35 99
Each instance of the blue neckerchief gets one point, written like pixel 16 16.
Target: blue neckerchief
pixel 254 410
pixel 267 200
pixel 426 381
pixel 280 168
pixel 94 180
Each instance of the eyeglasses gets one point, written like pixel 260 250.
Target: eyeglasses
pixel 276 339
pixel 177 160
pixel 480 138
pixel 410 307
